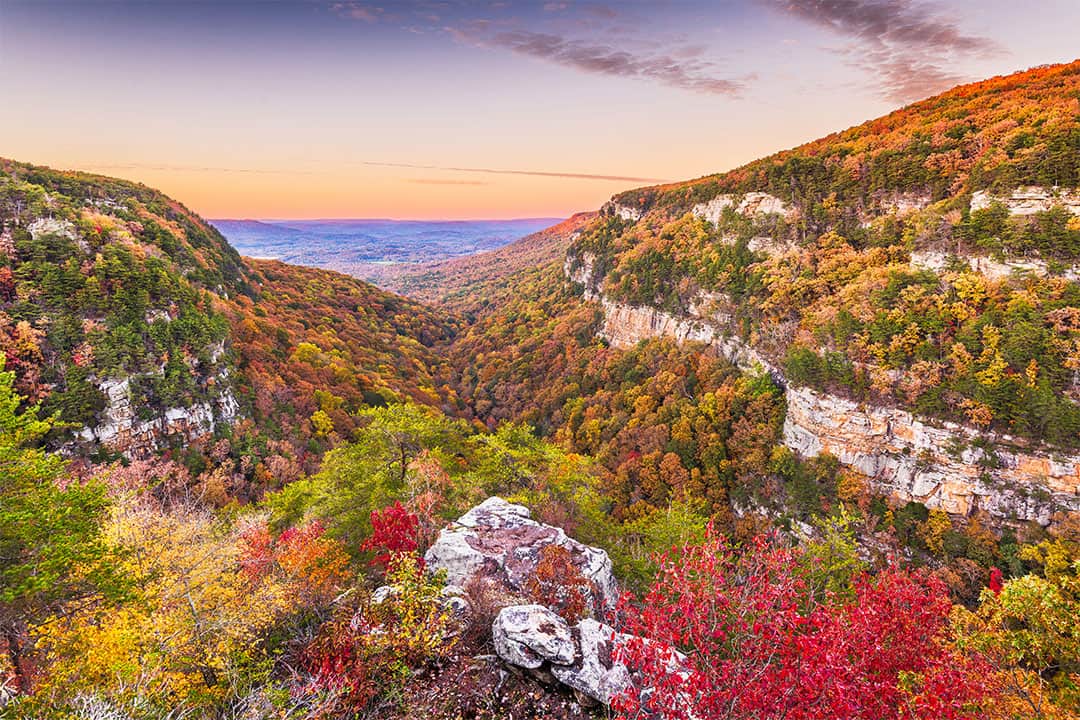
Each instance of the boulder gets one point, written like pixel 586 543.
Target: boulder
pixel 451 598
pixel 384 593
pixel 595 673
pixel 530 635
pixel 501 541
pixel 456 600
pixel 582 658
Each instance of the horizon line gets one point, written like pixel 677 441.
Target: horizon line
pixel 390 219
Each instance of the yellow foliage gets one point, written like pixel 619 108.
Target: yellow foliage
pixel 1032 372
pixel 850 486
pixel 197 615
pixel 322 423
pixel 933 530
pixel 971 289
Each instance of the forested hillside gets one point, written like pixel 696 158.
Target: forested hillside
pixel 468 282
pixel 137 325
pixel 885 261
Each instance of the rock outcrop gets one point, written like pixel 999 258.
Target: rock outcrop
pixel 626 212
pixel 595 671
pixel 582 658
pixel 939 464
pixel 936 464
pixel 500 541
pixel 51 226
pixel 752 203
pixel 585 658
pixel 627 325
pixel 530 635
pixel 582 272
pixel 1029 200
pixel 122 428
pixel 988 266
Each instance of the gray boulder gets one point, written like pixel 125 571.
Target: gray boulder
pixel 530 635
pixel 499 540
pixel 594 672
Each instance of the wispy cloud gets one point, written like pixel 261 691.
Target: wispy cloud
pixel 435 181
pixel 532 173
pixel 560 32
pixel 686 72
pixel 119 167
pixel 364 12
pixel 908 45
pixel 112 167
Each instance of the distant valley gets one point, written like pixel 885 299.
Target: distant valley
pixel 371 249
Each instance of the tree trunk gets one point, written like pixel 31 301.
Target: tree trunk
pixel 13 640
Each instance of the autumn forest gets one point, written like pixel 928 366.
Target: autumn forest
pixel 797 440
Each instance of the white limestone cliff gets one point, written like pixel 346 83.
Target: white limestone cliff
pixel 626 212
pixel 752 203
pixel 989 267
pixel 120 428
pixel 902 455
pixel 1029 200
pixel 937 464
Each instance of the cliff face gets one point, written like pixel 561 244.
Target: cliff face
pixel 626 212
pixel 938 465
pixel 752 203
pixel 110 298
pixel 943 465
pixel 1022 201
pixel 990 267
pixel 1029 200
pixel 121 426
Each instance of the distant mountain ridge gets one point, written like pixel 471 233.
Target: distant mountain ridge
pixel 463 282
pixel 363 247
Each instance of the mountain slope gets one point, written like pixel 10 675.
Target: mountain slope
pixel 135 321
pixel 925 262
pixel 916 271
pixel 468 281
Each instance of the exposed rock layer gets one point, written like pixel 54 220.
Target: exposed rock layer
pixel 989 267
pixel 752 203
pixel 122 428
pixel 906 457
pixel 1029 200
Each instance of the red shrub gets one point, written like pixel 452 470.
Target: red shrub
pixel 393 530
pixel 757 644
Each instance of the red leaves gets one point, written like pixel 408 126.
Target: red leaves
pixel 315 566
pixel 759 644
pixel 256 554
pixel 340 664
pixel 996 583
pixel 394 530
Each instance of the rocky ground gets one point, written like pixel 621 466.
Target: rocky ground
pixel 515 658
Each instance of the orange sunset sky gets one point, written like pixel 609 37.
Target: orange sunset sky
pixel 463 109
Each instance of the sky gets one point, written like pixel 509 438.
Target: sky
pixel 462 109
